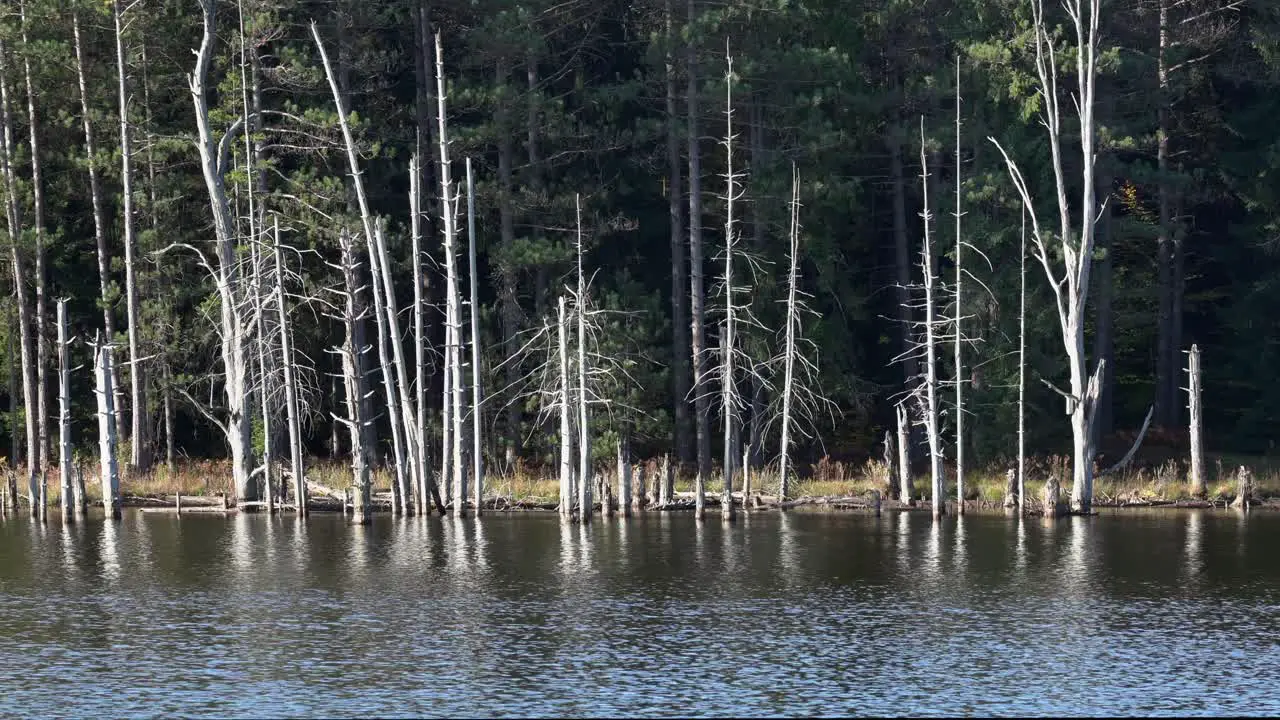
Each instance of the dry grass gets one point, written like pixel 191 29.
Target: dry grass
pixel 826 478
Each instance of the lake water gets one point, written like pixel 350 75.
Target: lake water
pixel 1155 613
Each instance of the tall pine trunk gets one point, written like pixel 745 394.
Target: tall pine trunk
pixel 680 351
pixel 697 293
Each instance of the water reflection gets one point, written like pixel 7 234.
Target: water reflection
pixel 109 552
pixel 826 614
pixel 1194 547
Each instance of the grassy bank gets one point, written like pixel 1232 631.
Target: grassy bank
pixel 1162 483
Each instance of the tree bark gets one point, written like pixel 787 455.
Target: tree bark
pixel 232 327
pixel 566 436
pixel 14 217
pixel 453 312
pixel 477 465
pixel 37 191
pixel 930 404
pixel 95 195
pixel 353 377
pixel 64 416
pixel 584 437
pixel 680 351
pixel 789 341
pixel 139 455
pixel 107 432
pixel 292 413
pixel 1197 436
pixel 697 294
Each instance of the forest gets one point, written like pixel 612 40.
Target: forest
pixel 447 239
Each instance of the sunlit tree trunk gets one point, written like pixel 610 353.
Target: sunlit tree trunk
pixel 697 294
pixel 106 432
pixel 64 416
pixel 37 192
pixel 20 279
pixel 139 454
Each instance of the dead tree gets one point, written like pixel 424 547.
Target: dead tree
pixel 905 489
pixel 293 417
pixel 584 439
pixel 958 337
pixel 801 398
pixel 64 415
pixel 1022 368
pixel 1197 438
pixel 110 474
pixel 566 435
pixel 477 466
pixel 20 276
pixel 353 313
pixel 1070 281
pixel 224 269
pixel 453 314
pixel 419 331
pixel 37 192
pixel 95 196
pixel 399 406
pixel 139 457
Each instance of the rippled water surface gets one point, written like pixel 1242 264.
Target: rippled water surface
pixel 1171 613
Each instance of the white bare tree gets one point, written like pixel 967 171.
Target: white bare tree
pixel 1067 256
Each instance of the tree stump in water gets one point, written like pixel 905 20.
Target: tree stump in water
pixel 1053 505
pixel 875 501
pixel 1011 489
pixel 1244 489
pixel 890 485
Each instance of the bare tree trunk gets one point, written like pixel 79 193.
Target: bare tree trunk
pixel 139 456
pixel 14 446
pixel 789 347
pixel 1022 369
pixel 668 479
pixel 1070 285
pixel 477 465
pixel 453 312
pixel 1197 437
pixel 905 489
pixel 168 419
pixel 902 264
pixel 959 307
pixel 232 325
pixel 37 190
pixel 14 216
pixel 1166 385
pixel 64 415
pixel 353 377
pixel 292 414
pixel 680 353
pixel 419 332
pixel 697 294
pixel 399 405
pixel 729 398
pixel 566 436
pixel 584 439
pixel 931 368
pixel 95 194
pixel 107 432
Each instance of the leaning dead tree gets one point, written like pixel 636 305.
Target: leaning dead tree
pixel 400 409
pixel 1067 255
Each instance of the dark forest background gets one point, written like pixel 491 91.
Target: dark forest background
pixel 565 97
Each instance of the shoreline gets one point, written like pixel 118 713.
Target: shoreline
pixel 381 504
